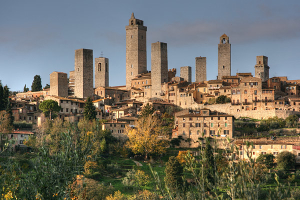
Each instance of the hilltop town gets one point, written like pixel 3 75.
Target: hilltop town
pixel 255 96
pixel 159 136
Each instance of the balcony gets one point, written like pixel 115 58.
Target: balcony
pixel 247 103
pixel 267 100
pixel 235 104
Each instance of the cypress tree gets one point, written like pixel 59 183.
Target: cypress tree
pixel 36 84
pixel 9 111
pixel 174 173
pixel 2 106
pixel 89 110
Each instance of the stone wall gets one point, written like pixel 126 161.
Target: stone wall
pixel 200 69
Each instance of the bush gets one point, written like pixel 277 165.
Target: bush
pixel 174 172
pixel 286 160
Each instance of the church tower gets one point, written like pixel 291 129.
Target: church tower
pixel 136 54
pixel 224 57
pixel 101 72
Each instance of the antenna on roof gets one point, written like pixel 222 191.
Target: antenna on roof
pixel 101 54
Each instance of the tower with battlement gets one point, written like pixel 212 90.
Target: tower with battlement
pixel 136 54
pixel 101 72
pixel 224 57
pixel 159 67
pixel 83 73
pixel 200 69
pixel 262 68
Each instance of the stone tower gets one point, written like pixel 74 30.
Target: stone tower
pixel 83 73
pixel 224 57
pixel 59 84
pixel 136 54
pixel 262 68
pixel 186 73
pixel 159 66
pixel 200 69
pixel 101 72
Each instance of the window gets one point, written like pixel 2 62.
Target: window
pixel 183 125
pixel 253 153
pixel 183 133
pixel 67 109
pixel 211 132
pixel 275 153
pixel 225 124
pixel 99 66
pixel 260 147
pixel 131 73
pixel 245 91
pixel 211 124
pixel 253 147
pixel 226 132
pixel 204 131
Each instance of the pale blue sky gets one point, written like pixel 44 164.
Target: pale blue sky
pixel 39 37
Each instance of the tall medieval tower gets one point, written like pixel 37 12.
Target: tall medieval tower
pixel 224 57
pixel 136 54
pixel 101 72
pixel 83 73
pixel 186 73
pixel 262 68
pixel 200 69
pixel 159 66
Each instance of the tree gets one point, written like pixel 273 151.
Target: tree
pixel 89 110
pixel 36 84
pixel 144 137
pixel 9 111
pixel 147 110
pixel 286 160
pixel 25 89
pixel 266 159
pixel 49 106
pixel 222 99
pixel 174 173
pixel 5 126
pixel 292 121
pixel 210 164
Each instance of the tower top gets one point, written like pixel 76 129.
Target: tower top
pixel 224 39
pixel 132 16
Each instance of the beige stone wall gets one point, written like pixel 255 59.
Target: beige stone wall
pixel 195 126
pixel 186 73
pixel 101 72
pixel 159 67
pixel 136 53
pixel 59 84
pixel 84 73
pixel 200 69
pixel 224 57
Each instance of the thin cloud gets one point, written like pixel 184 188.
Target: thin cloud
pixel 25 39
pixel 199 32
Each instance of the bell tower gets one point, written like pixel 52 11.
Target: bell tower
pixel 224 57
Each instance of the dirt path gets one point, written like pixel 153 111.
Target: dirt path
pixel 138 163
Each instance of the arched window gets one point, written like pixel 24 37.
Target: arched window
pixel 99 66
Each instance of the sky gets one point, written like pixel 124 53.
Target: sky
pixel 39 37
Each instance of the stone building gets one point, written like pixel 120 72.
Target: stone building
pixel 59 84
pixel 200 69
pixel 83 73
pixel 198 124
pixel 262 68
pixel 186 73
pixel 101 72
pixel 224 57
pixel 159 67
pixel 136 53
